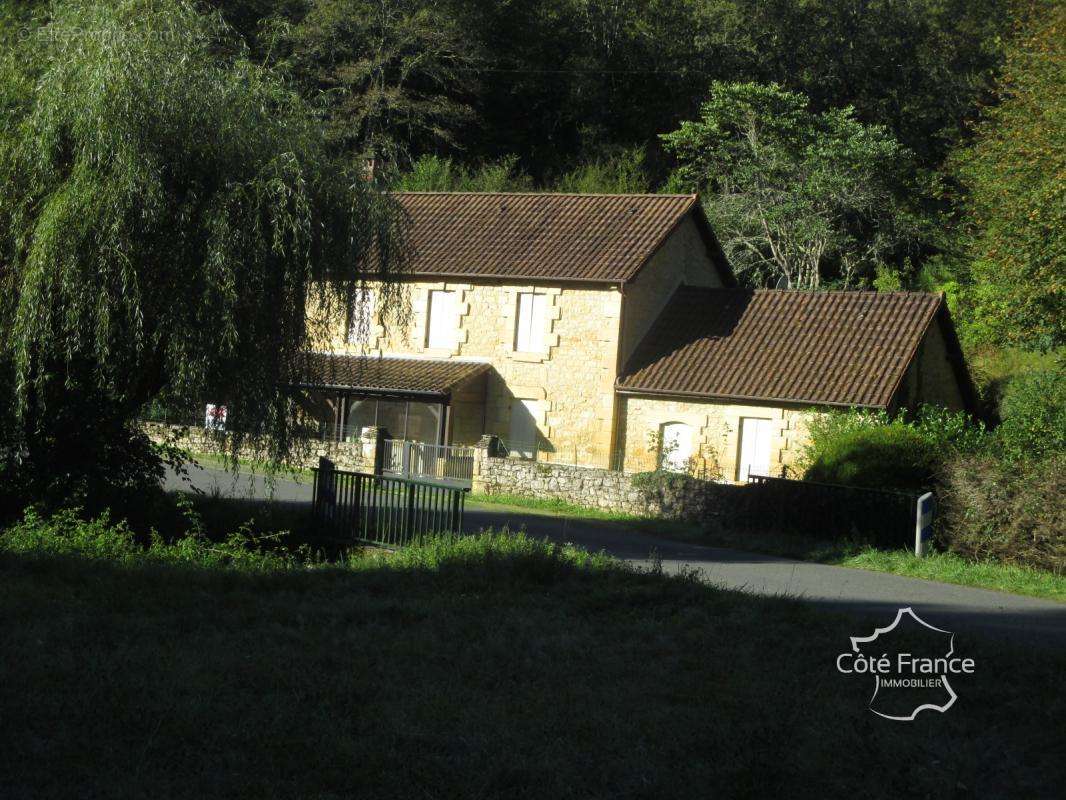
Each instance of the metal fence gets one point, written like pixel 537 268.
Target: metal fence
pixel 830 511
pixel 449 464
pixel 384 510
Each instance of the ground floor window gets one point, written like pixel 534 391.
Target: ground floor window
pixel 675 446
pixel 403 419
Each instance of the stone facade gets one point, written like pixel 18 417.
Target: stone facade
pixel 571 378
pixel 569 382
pixel 682 260
pixel 715 429
pixel 930 378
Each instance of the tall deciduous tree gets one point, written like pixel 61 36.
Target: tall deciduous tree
pixel 796 197
pixel 170 214
pixel 394 76
pixel 1014 211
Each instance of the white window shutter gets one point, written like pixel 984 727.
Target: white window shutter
pixel 443 315
pixel 363 316
pixel 531 322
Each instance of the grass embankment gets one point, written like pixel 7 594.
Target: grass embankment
pixel 936 566
pixel 493 666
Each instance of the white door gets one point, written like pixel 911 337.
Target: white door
pixel 524 416
pixel 675 446
pixel 754 448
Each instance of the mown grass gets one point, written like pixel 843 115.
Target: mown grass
pixel 491 666
pixel 950 568
pixel 551 506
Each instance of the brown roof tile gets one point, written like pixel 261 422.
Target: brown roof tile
pixel 837 348
pixel 566 237
pixel 421 376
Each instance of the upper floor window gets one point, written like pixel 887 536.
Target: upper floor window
pixel 441 318
pixel 361 317
pixel 530 322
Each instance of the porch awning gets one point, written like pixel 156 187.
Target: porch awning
pixel 420 377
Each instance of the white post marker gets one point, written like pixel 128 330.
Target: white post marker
pixel 923 530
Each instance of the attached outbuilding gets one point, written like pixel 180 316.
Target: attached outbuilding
pixel 726 380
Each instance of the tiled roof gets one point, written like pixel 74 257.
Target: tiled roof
pixel 838 348
pixel 564 237
pixel 422 376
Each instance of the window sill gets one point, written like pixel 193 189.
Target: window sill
pixel 534 358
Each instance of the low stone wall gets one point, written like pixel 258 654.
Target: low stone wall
pixel 664 495
pixel 357 455
pixel 583 486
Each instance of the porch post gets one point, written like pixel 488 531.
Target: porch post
pixel 380 435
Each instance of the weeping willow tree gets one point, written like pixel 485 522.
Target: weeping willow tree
pixel 170 219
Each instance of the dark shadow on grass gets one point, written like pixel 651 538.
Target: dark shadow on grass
pixel 468 677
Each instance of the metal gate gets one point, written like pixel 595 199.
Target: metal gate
pixel 382 509
pixel 443 463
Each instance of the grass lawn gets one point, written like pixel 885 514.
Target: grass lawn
pixel 489 667
pixel 944 567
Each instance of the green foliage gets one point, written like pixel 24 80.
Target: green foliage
pixel 879 451
pixel 622 174
pixel 170 216
pixel 990 509
pixel 993 369
pixel 794 194
pixel 559 81
pixel 440 174
pixel 391 75
pixel 882 457
pixel 1014 205
pixel 68 533
pixel 1034 417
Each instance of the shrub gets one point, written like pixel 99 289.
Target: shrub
pixel 891 456
pixel 66 533
pixel 875 450
pixel 989 509
pixel 1034 417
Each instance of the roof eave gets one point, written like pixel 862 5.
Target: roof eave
pixel 711 397
pixel 373 390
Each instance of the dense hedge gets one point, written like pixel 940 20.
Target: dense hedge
pixel 878 451
pixel 1034 417
pixel 991 509
pixel 1001 492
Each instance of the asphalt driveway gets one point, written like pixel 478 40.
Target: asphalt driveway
pixel 948 606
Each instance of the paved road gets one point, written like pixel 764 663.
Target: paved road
pixel 948 606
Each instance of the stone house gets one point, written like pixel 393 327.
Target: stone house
pixel 607 331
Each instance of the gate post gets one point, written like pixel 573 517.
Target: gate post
pixel 486 448
pixel 405 460
pixel 325 493
pixel 380 435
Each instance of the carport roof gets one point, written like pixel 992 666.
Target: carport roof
pixel 377 375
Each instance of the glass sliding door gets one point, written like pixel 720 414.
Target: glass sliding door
pixel 410 420
pixel 423 422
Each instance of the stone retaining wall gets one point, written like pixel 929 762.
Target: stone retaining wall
pixel 664 495
pixel 357 455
